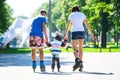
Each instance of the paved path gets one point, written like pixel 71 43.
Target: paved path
pixel 97 66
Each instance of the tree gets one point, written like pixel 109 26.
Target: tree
pixel 5 16
pixel 102 15
pixel 56 13
pixel 116 20
pixel 99 17
pixel 104 22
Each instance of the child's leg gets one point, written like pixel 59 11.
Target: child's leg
pixel 58 64
pixel 53 63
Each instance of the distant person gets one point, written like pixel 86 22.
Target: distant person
pixel 55 50
pixel 36 39
pixel 77 19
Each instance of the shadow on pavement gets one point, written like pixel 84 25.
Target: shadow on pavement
pixel 69 73
pixel 25 60
pixel 15 60
pixel 97 73
pixel 55 73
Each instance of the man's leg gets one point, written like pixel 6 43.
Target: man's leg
pixel 41 56
pixel 33 55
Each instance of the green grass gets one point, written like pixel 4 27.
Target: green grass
pixel 15 50
pixel 108 44
pixel 47 50
pixel 96 50
pixel 101 49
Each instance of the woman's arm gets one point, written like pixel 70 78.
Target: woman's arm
pixel 89 29
pixel 67 29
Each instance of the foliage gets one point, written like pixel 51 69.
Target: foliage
pixel 116 14
pixel 102 15
pixel 5 16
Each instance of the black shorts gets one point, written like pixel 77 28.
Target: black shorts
pixel 78 35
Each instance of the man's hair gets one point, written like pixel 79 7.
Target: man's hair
pixel 75 9
pixel 42 11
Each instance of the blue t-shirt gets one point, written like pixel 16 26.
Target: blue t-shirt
pixel 37 26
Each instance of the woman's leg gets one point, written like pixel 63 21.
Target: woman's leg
pixel 80 51
pixel 77 61
pixel 81 41
pixel 74 47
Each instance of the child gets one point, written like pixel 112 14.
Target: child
pixel 55 50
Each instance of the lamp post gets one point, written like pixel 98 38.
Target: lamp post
pixel 50 20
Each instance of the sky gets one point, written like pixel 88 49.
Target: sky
pixel 24 7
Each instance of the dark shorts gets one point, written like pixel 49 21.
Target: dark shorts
pixel 78 35
pixel 36 41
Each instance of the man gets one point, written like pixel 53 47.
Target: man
pixel 36 39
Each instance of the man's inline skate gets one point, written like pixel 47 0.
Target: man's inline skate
pixel 34 65
pixel 42 66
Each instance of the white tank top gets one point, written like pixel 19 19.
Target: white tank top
pixel 76 19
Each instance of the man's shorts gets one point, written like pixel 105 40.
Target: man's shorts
pixel 78 35
pixel 36 41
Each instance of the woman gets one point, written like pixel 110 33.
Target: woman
pixel 78 34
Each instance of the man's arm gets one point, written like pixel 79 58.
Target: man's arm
pixel 44 30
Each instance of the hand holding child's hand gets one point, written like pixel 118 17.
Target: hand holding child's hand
pixel 48 44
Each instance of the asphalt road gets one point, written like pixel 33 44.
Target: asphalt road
pixel 97 66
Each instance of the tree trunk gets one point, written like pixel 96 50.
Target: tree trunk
pixel 103 45
pixel 104 28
